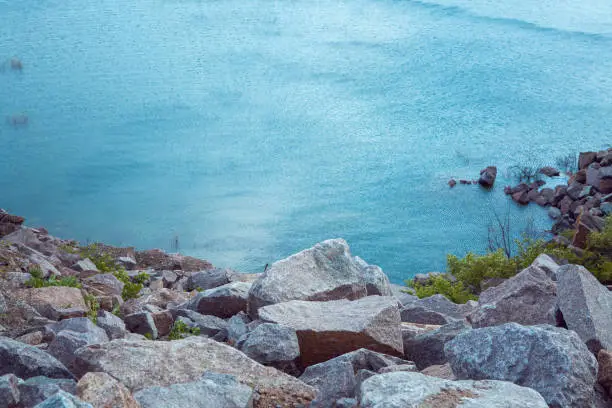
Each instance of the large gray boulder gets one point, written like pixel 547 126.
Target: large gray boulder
pixel 436 309
pixel 547 264
pixel 103 391
pixel 55 302
pixel 209 279
pixel 27 361
pixel 9 391
pixel 209 326
pixel 328 329
pixel 104 284
pixel 551 360
pixel 63 400
pixel 405 298
pixel 111 324
pixel 324 272
pixel 338 378
pixel 586 306
pixel 223 301
pixel 528 298
pixel 142 364
pixel 428 348
pixel 37 389
pixel 415 390
pixel 66 342
pixel 271 344
pixel 211 391
pixel 376 281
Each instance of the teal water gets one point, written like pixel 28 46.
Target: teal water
pixel 252 130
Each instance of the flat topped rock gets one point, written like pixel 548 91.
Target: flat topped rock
pixel 142 364
pixel 324 272
pixel 407 390
pixel 328 329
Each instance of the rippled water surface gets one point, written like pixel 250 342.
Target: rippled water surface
pixel 253 129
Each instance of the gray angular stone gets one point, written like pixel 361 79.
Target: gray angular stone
pixel 223 301
pixel 436 309
pixel 237 327
pixel 328 329
pixel 27 361
pixel 554 213
pixel 208 279
pixel 324 272
pixel 105 284
pixel 85 265
pixel 142 364
pixel 9 391
pixel 141 323
pixel 551 360
pixel 528 298
pixel 55 302
pixel 271 344
pixel 3 306
pixel 66 342
pixel 63 400
pixel 76 324
pixel 211 391
pixel 547 264
pixel 209 325
pixel 37 389
pixel 403 297
pixel 111 324
pixel 415 390
pixel 346 403
pixel 333 381
pixel 103 391
pixel 586 306
pixel 336 378
pixel 377 283
pixel 428 348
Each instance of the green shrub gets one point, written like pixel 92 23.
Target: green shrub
pixel 38 282
pixel 454 291
pixel 180 330
pixel 94 306
pixel 472 269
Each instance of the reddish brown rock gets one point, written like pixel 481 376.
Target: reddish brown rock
pixel 9 223
pixel 488 176
pixel 586 158
pixel 328 329
pixel 521 197
pixel 604 375
pixel 103 391
pixel 55 302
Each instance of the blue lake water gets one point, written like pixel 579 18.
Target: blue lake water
pixel 254 129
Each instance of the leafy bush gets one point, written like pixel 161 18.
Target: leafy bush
pixel 180 330
pixel 454 291
pixel 107 264
pixel 472 269
pixel 36 281
pixel 94 306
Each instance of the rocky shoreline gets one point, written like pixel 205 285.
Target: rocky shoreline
pixel 321 328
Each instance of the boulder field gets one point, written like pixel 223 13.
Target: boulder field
pixel 120 328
